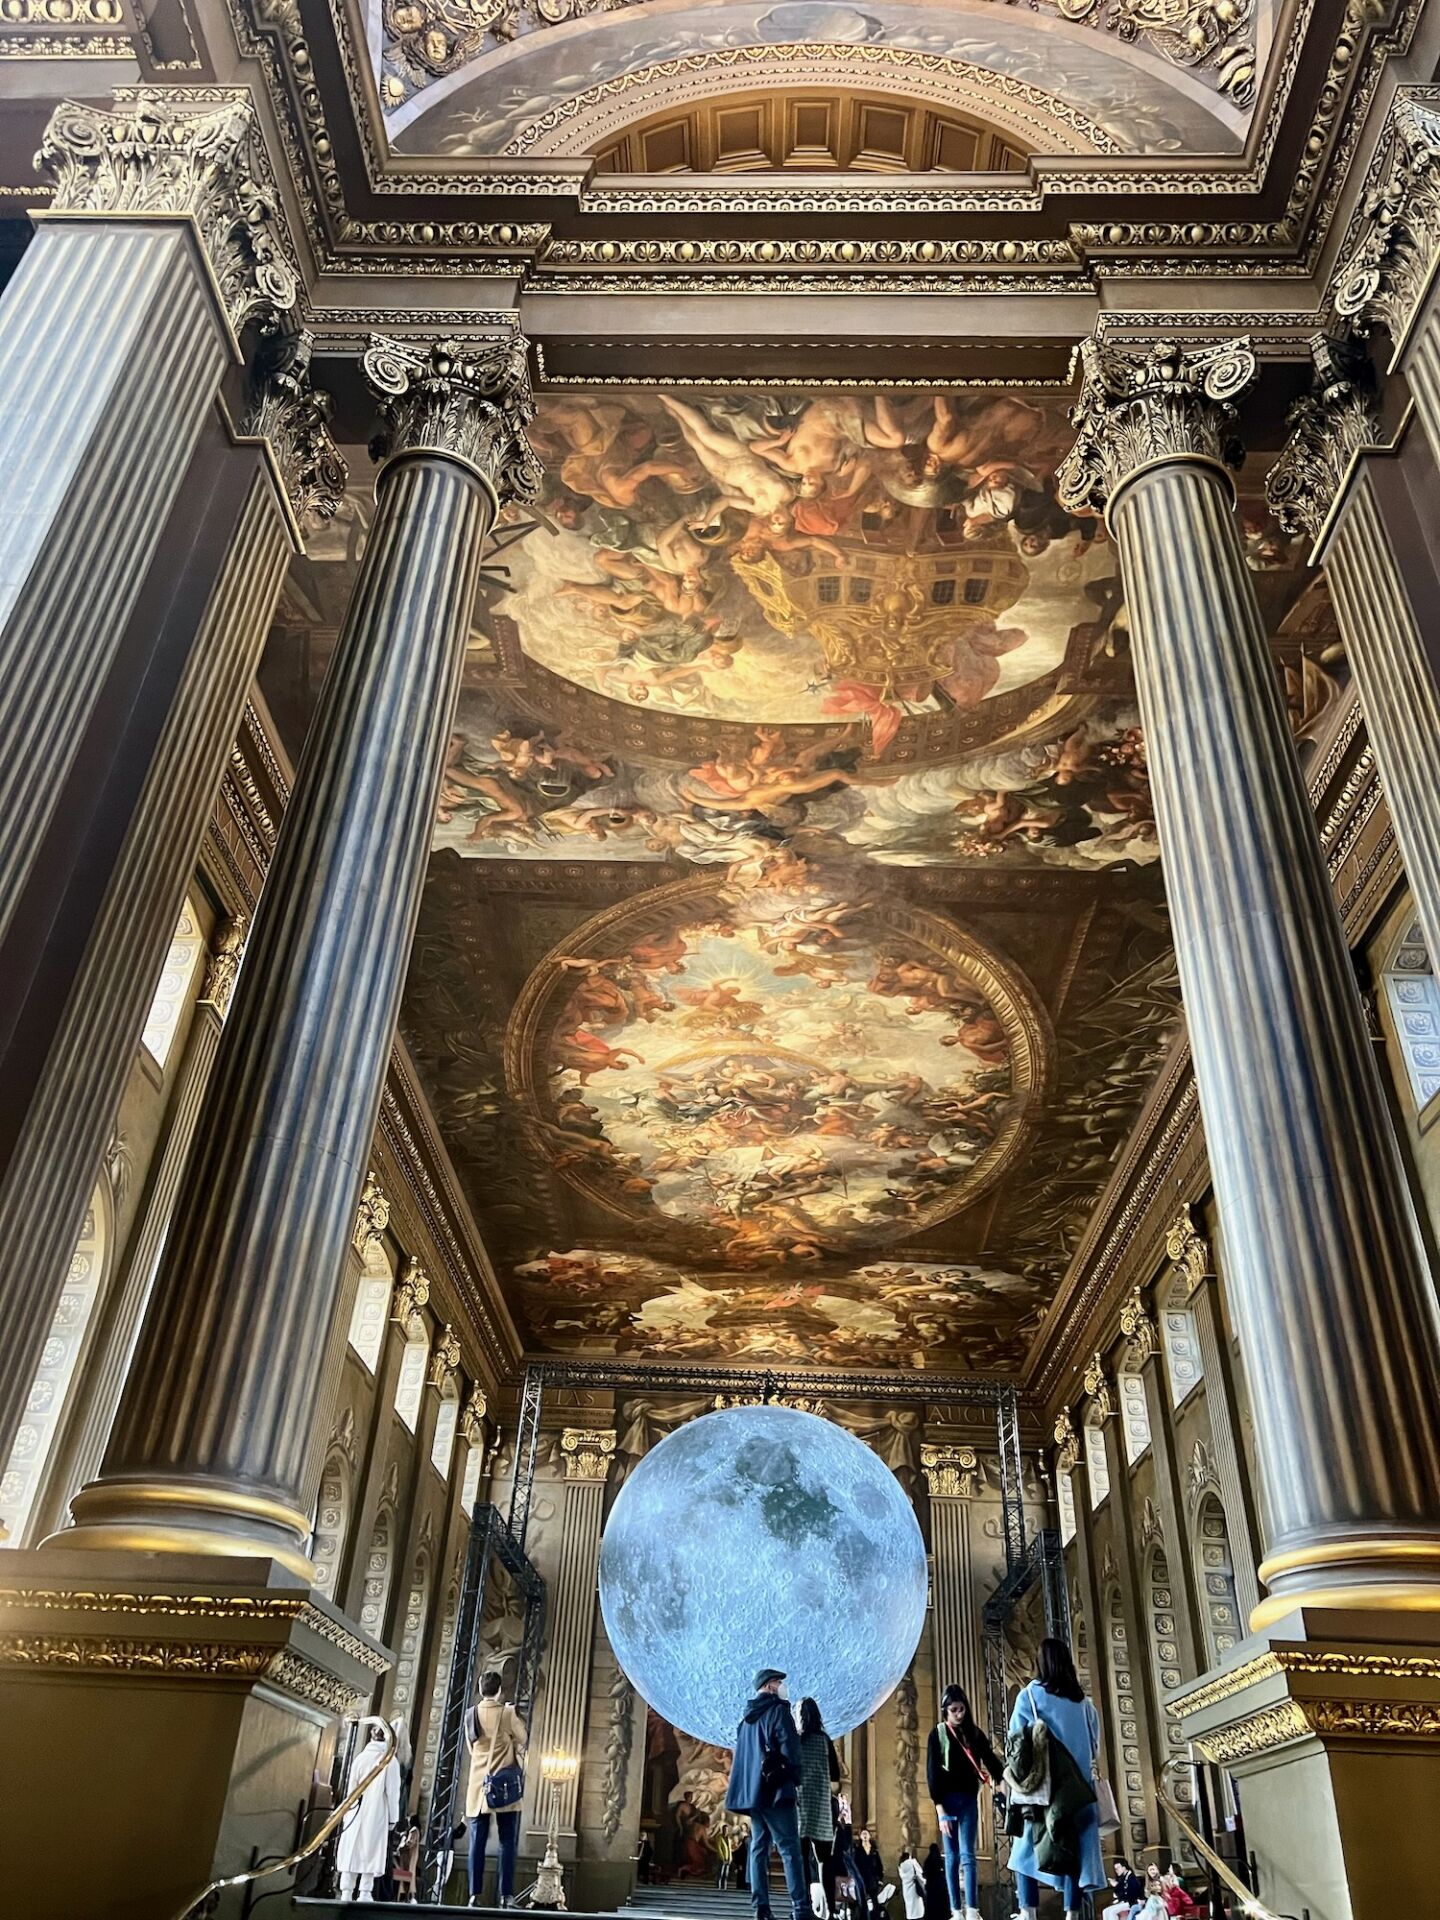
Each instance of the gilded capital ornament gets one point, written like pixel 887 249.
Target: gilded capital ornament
pixel 179 153
pixel 467 399
pixel 1188 1249
pixel 1097 1385
pixel 1138 1328
pixel 222 965
pixel 286 411
pixel 472 1419
pixel 412 1293
pixel 951 1472
pixel 372 1216
pixel 1136 409
pixel 445 1358
pixel 1386 275
pixel 1067 1443
pixel 1328 426
pixel 587 1452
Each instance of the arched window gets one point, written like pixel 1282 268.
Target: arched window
pixel 1129 1782
pixel 1217 1578
pixel 412 1627
pixel 177 978
pixel 35 1437
pixel 371 1311
pixel 410 1387
pixel 332 1520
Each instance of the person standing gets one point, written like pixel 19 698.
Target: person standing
pixel 1056 1699
pixel 496 1736
pixel 724 1849
pixel 959 1760
pixel 763 1778
pixel 937 1893
pixel 869 1871
pixel 363 1853
pixel 820 1774
pixel 912 1886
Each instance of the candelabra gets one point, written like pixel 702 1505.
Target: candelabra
pixel 556 1770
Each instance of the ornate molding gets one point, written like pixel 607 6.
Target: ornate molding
pixel 952 1472
pixel 1067 1443
pixel 288 413
pixel 411 1295
pixel 1421 1669
pixel 1328 427
pixel 1137 1326
pixel 222 966
pixel 472 1418
pixel 587 1452
pixel 445 1359
pixel 1216 37
pixel 302 1678
pixel 1387 274
pixel 1201 1474
pixel 1188 1251
pixel 1135 409
pixel 1294 1720
pixel 1097 1385
pixel 470 401
pixel 372 1216
pixel 1258 1733
pixel 192 153
pixel 619 1738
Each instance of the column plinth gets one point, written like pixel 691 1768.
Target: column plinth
pixel 1332 1303
pixel 212 1439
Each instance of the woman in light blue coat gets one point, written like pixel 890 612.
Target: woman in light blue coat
pixel 1056 1696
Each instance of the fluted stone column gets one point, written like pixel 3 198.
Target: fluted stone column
pixel 51 1170
pixel 1389 277
pixel 158 248
pixel 1325 486
pixel 213 1436
pixel 1333 1306
pixel 952 1478
pixel 587 1453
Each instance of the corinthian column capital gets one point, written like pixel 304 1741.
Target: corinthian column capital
pixel 192 153
pixel 1328 426
pixel 1138 409
pixel 294 418
pixel 1386 274
pixel 469 400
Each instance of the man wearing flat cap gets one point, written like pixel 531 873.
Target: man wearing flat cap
pixel 763 1777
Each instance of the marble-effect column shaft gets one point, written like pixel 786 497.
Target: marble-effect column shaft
pixel 214 1430
pixel 1334 1310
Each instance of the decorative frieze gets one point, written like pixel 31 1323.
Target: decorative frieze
pixel 469 400
pixel 1136 409
pixel 951 1472
pixel 179 152
pixel 1328 427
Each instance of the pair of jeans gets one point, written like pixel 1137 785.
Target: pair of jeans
pixel 959 1831
pixel 507 1834
pixel 1027 1891
pixel 782 1826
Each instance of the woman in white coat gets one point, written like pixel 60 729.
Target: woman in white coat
pixel 364 1850
pixel 912 1886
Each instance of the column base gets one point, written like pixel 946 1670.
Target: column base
pixel 185 1518
pixel 1330 1723
pixel 164 1716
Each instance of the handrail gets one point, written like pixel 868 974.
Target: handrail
pixel 1249 1904
pixel 311 1846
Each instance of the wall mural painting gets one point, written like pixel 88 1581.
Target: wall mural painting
pixel 887 1313
pixel 775 1069
pixel 793 958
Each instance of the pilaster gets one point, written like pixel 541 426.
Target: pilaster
pixel 952 1479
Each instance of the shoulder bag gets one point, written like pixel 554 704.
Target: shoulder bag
pixel 1106 1809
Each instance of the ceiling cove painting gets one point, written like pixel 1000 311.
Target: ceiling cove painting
pixel 793 958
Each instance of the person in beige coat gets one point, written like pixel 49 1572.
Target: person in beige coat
pixel 496 1736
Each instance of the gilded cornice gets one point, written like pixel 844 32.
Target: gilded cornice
pixel 1328 426
pixel 1388 264
pixel 293 418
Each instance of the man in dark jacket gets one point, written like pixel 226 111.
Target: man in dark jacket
pixel 763 1777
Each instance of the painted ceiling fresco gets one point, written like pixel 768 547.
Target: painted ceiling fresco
pixel 793 959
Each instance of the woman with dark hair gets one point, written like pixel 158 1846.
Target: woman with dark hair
pixel 1061 1845
pixel 959 1760
pixel 820 1774
pixel 937 1893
